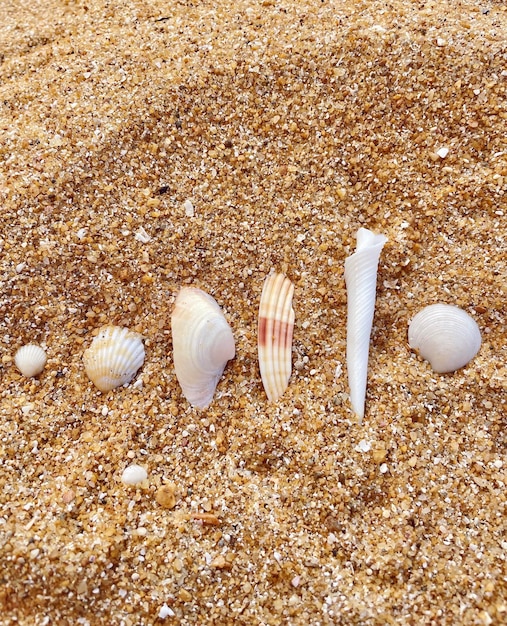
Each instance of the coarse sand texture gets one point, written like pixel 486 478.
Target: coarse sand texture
pixel 148 147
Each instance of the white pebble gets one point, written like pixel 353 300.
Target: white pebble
pixel 189 208
pixel 338 371
pixel 443 152
pixel 363 446
pixel 134 474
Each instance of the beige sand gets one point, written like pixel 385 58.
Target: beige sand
pixel 288 125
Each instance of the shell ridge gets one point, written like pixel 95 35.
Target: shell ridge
pixel 267 372
pixel 265 339
pixel 281 287
pixel 287 336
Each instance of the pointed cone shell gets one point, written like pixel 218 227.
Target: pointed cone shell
pixel 114 357
pixel 361 280
pixel 30 360
pixel 446 336
pixel 202 343
pixel 276 326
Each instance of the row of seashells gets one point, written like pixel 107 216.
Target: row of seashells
pixel 203 341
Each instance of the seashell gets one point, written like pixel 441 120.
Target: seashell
pixel 30 359
pixel 134 474
pixel 446 336
pixel 202 345
pixel 114 357
pixel 361 280
pixel 274 342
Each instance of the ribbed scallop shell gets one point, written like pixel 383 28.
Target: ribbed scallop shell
pixel 202 344
pixel 446 336
pixel 30 359
pixel 276 327
pixel 361 279
pixel 114 357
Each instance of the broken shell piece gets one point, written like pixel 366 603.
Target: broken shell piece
pixel 446 336
pixel 276 326
pixel 443 152
pixel 30 360
pixel 114 357
pixel 361 280
pixel 202 344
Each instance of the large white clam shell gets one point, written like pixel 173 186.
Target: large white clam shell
pixel 202 344
pixel 30 359
pixel 446 336
pixel 361 280
pixel 276 327
pixel 114 357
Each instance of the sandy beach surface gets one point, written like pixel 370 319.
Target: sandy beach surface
pixel 285 126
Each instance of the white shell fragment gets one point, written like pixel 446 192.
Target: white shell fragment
pixel 114 357
pixel 443 152
pixel 134 474
pixel 202 344
pixel 361 280
pixel 30 360
pixel 446 336
pixel 274 341
pixel 141 235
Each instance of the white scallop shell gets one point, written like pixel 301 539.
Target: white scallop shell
pixel 202 344
pixel 274 340
pixel 361 280
pixel 30 359
pixel 114 357
pixel 446 336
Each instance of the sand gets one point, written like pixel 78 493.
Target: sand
pixel 287 126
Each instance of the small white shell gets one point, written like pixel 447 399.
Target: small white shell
pixel 446 336
pixel 114 357
pixel 134 474
pixel 274 341
pixel 30 359
pixel 202 344
pixel 361 279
